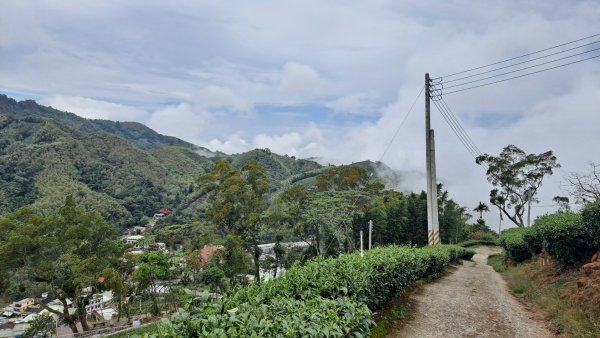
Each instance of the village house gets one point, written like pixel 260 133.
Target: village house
pixel 135 240
pixel 99 301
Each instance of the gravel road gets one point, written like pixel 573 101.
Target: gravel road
pixel 471 301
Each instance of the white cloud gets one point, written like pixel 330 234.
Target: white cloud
pixel 218 97
pixel 299 80
pixel 181 121
pixel 280 144
pixel 234 144
pixel 360 104
pixel 94 109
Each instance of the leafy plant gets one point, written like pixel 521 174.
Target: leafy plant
pixel 590 216
pixel 533 239
pixel 328 296
pixel 516 248
pixel 566 238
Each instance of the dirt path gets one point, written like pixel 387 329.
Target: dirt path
pixel 472 301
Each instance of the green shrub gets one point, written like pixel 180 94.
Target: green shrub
pixel 281 317
pixel 514 245
pixel 533 240
pixel 565 238
pixel 590 216
pixel 327 294
pixel 477 242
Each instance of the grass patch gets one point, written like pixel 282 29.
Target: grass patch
pixel 553 291
pixel 138 332
pixel 393 312
pixel 496 261
pixel 388 319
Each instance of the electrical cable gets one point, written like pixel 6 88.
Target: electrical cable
pixel 519 76
pixel 444 103
pixel 401 124
pixel 521 56
pixel 520 69
pixel 523 62
pixel 457 130
pixel 456 122
pixel 460 138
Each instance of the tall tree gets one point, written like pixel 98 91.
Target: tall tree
pixel 153 267
pixel 238 202
pixel 481 208
pixel 63 254
pixel 517 177
pixel 329 217
pixel 343 178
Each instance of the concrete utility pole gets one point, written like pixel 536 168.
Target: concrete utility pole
pixel 433 229
pixel 370 232
pixel 529 212
pixel 361 244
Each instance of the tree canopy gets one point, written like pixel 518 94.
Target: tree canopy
pixel 237 201
pixel 516 176
pixel 62 254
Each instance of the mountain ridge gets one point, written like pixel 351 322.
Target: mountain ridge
pixel 125 171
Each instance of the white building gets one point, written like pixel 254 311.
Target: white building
pixel 99 301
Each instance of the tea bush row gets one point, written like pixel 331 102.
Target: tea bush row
pixel 514 245
pixel 476 242
pixel 570 238
pixel 332 295
pixel 565 238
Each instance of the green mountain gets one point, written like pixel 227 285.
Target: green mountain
pixel 134 132
pixel 124 170
pixel 42 161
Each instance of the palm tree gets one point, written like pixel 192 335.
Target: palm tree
pixel 480 208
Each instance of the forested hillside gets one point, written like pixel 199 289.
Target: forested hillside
pixel 134 132
pixel 42 161
pixel 124 170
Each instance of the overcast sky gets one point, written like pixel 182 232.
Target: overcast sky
pixel 325 79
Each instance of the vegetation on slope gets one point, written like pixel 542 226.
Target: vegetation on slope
pixel 558 280
pixel 42 161
pixel 134 132
pixel 333 296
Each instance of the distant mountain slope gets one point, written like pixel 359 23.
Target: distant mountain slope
pixel 135 132
pixel 42 161
pixel 125 171
pixel 279 167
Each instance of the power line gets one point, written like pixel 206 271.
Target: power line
pixel 523 62
pixel 519 76
pixel 521 56
pixel 465 143
pixel 456 129
pixel 460 125
pixel 401 124
pixel 445 108
pixel 520 69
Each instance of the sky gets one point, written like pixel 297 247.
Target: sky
pixel 330 80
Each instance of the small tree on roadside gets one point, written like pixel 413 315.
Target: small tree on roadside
pixel 517 177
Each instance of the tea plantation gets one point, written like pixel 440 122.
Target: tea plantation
pixel 331 297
